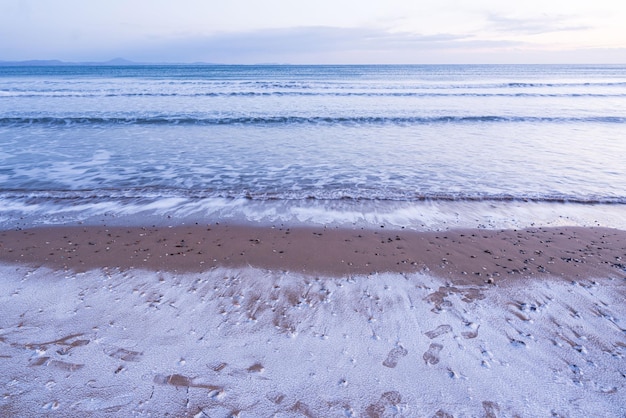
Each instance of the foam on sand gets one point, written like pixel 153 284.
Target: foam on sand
pixel 253 342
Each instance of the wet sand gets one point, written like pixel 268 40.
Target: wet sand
pixel 472 256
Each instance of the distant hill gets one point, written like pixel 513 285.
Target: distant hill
pixel 41 63
pixel 119 61
pixel 114 61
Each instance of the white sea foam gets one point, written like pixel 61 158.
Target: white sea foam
pixel 261 343
pixel 421 216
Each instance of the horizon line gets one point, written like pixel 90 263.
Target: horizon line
pixel 122 62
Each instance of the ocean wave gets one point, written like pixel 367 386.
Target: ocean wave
pixel 83 94
pixel 277 120
pixel 570 84
pixel 148 195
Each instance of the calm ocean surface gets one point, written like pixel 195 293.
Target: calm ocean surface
pixel 311 143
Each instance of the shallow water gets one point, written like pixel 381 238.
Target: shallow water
pixel 79 142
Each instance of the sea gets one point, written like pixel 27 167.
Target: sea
pixel 424 147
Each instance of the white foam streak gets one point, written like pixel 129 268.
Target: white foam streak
pixel 421 216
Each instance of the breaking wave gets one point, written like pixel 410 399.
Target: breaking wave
pixel 276 120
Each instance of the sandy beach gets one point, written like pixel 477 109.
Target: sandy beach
pixel 237 320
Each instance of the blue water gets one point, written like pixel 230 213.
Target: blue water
pixel 78 142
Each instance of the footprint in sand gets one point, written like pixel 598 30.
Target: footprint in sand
pixel 256 368
pixel 491 409
pixel 65 366
pixel 394 356
pixel 302 409
pixel 179 380
pixel 471 334
pixel 62 365
pixel 387 399
pixel 123 354
pixel 439 331
pixel 431 356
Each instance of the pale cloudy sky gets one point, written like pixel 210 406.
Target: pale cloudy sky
pixel 315 32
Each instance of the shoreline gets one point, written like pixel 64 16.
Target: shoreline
pixel 476 256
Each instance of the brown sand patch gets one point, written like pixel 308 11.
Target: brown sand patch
pixel 467 256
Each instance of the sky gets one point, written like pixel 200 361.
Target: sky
pixel 315 32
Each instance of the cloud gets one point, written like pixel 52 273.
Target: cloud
pixel 308 45
pixel 531 26
pixel 340 45
pixel 311 39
